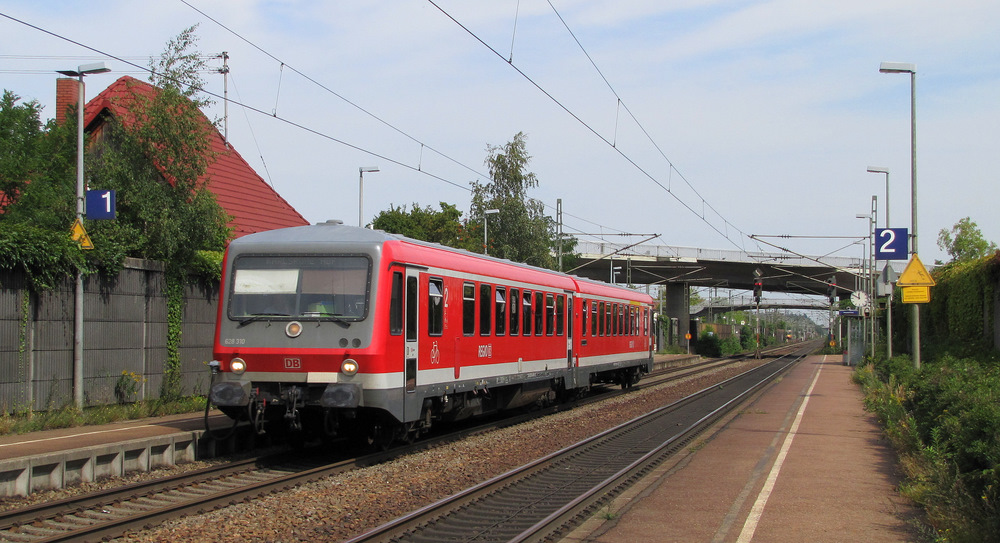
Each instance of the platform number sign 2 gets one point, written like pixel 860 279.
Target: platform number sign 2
pixel 100 204
pixel 891 243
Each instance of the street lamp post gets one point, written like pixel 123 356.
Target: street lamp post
pixel 82 70
pixel 614 272
pixel 909 68
pixel 869 283
pixel 361 192
pixel 888 304
pixel 486 221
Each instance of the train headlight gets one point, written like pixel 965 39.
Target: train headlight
pixel 238 366
pixel 293 329
pixel 349 366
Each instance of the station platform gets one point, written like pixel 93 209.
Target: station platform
pixel 53 459
pixel 803 462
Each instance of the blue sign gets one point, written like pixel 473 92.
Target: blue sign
pixel 100 204
pixel 891 244
pixel 848 312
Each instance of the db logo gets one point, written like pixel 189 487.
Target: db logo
pixel 293 364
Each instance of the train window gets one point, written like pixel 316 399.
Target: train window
pixel 468 309
pixel 569 312
pixel 501 310
pixel 396 305
pixel 600 314
pixel 550 315
pixel 411 308
pixel 607 316
pixel 300 287
pixel 560 315
pixel 526 311
pixel 485 309
pixel 593 318
pixel 614 319
pixel 645 322
pixel 435 307
pixel 583 319
pixel 515 315
pixel 539 313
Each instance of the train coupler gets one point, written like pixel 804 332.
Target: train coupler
pixel 294 400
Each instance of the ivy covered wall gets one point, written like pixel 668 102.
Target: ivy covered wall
pixel 963 308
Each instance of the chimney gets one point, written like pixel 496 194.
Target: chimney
pixel 67 94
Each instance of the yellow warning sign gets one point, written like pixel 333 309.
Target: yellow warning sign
pixel 80 236
pixel 916 295
pixel 915 274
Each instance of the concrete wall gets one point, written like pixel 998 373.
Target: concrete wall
pixel 125 329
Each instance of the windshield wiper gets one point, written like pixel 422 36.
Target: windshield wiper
pixel 259 316
pixel 334 318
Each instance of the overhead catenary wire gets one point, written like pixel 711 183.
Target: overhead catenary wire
pixel 611 144
pixel 353 104
pixel 144 69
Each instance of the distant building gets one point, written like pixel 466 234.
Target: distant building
pixel 253 205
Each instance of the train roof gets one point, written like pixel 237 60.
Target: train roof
pixel 335 231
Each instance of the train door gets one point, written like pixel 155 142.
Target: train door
pixel 570 325
pixel 411 324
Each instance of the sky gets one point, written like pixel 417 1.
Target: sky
pixel 703 121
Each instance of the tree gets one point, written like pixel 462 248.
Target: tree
pixel 964 241
pixel 20 135
pixel 180 66
pixel 37 193
pixel 444 227
pixel 520 231
pixel 155 155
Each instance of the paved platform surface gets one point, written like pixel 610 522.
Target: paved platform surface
pixel 804 462
pixel 65 439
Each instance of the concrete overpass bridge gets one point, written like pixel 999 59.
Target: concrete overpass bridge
pixel 678 268
pixel 768 303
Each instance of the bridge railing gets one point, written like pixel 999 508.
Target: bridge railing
pixel 669 252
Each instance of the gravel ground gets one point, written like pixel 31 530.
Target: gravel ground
pixel 341 507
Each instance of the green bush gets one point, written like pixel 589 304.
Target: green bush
pixel 944 420
pixel 708 345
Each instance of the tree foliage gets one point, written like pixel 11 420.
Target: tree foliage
pixel 444 227
pixel 520 231
pixel 37 192
pixel 20 135
pixel 964 242
pixel 180 66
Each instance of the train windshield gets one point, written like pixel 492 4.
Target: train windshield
pixel 300 287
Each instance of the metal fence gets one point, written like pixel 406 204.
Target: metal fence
pixel 125 337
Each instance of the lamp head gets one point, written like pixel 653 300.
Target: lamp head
pixel 897 68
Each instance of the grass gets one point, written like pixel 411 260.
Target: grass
pixel 24 421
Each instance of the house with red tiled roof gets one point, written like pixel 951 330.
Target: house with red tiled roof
pixel 253 205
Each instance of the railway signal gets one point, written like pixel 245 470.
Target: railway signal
pixel 831 289
pixel 758 289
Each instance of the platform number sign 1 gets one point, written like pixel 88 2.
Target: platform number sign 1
pixel 100 204
pixel 891 243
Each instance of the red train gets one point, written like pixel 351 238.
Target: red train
pixel 342 330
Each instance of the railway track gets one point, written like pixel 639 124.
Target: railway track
pixel 111 513
pixel 539 501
